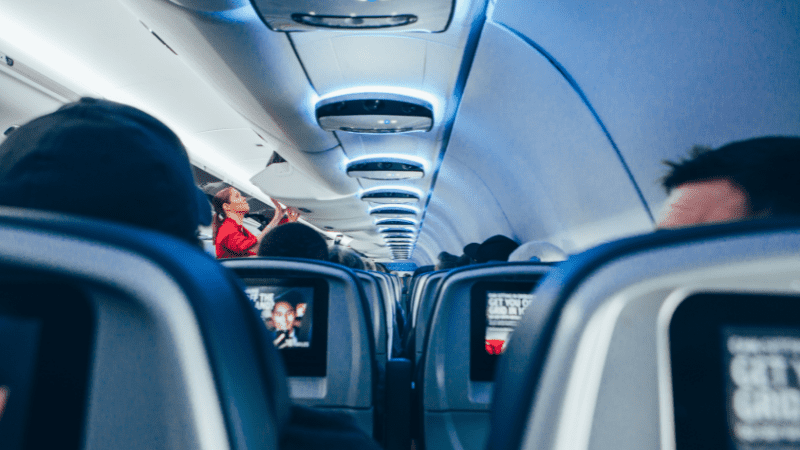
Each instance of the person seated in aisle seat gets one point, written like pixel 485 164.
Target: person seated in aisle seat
pixel 294 240
pixel 110 161
pixel 741 180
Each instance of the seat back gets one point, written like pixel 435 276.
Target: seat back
pixel 378 315
pixel 118 337
pixel 331 363
pixel 423 310
pixel 475 311
pixel 677 339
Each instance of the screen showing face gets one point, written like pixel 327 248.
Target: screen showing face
pixel 503 312
pixel 287 311
pixel 762 390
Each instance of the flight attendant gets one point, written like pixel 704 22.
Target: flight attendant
pixel 231 239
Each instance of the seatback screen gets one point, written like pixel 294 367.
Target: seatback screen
pixel 19 343
pixel 503 312
pixel 762 390
pixel 287 311
pixel 46 333
pixel 735 362
pixel 295 310
pixel 496 309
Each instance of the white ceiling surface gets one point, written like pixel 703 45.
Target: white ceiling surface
pixel 540 165
pixel 98 48
pixel 525 158
pixel 664 76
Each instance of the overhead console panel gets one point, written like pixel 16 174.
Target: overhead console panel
pixel 385 169
pixel 374 113
pixel 388 15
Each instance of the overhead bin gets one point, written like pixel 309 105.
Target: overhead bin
pixel 306 15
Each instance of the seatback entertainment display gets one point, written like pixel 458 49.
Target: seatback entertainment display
pixel 495 311
pixel 295 310
pixel 735 361
pixel 762 390
pixel 287 311
pixel 503 312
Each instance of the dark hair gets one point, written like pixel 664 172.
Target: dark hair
pixel 765 168
pixel 106 160
pixel 294 240
pixel 220 198
pixel 347 257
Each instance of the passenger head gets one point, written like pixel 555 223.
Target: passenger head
pixel 471 250
pixel 294 240
pixel 740 180
pixel 447 261
pixel 369 264
pixel 225 202
pixel 104 160
pixel 496 248
pixel 538 251
pixel 283 316
pixel 347 257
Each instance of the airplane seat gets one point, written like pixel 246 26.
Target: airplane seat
pixel 378 316
pixel 423 307
pixel 677 339
pixel 474 312
pixel 394 313
pixel 331 360
pixel 414 294
pixel 113 336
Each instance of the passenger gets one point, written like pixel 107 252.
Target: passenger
pixel 741 180
pixel 369 265
pixel 471 250
pixel 496 248
pixel 231 238
pixel 104 160
pixel 294 240
pixel 538 251
pixel 110 161
pixel 340 254
pixel 447 261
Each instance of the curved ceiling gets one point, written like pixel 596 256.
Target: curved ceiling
pixel 550 119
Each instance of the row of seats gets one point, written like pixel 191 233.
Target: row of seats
pixel 135 340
